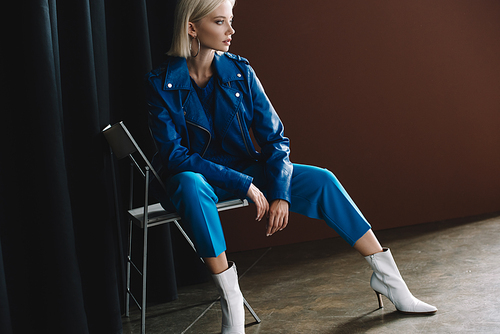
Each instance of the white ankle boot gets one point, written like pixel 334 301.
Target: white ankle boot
pixel 233 312
pixel 387 280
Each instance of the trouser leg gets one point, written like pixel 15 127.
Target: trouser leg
pixel 317 193
pixel 195 200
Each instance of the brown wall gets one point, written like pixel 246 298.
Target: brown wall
pixel 400 99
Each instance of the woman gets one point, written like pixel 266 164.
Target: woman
pixel 202 103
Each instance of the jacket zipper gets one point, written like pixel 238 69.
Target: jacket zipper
pixel 242 134
pixel 209 136
pixel 241 128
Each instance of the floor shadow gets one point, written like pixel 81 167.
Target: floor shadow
pixel 371 320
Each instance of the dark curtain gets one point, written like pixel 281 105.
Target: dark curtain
pixel 74 67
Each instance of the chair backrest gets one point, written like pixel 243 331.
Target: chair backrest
pixel 123 144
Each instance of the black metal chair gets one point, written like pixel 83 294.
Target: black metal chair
pixel 122 144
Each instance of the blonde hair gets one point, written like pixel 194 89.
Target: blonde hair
pixel 185 12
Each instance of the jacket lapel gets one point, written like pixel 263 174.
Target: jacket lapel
pixel 229 97
pixel 193 111
pixel 177 78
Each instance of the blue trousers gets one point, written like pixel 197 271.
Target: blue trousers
pixel 316 193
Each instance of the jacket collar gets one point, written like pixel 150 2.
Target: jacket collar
pixel 226 68
pixel 177 73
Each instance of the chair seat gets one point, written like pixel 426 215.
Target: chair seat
pixel 157 215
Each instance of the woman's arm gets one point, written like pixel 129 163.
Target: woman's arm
pixel 269 133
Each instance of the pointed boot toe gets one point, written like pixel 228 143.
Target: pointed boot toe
pixel 419 307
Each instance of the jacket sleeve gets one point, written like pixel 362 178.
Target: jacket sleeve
pixel 172 151
pixel 275 147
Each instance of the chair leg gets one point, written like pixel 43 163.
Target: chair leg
pixel 129 258
pixel 250 309
pixel 184 234
pixel 144 277
pixel 145 254
pixel 129 255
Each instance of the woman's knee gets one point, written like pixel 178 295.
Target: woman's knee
pixel 188 184
pixel 316 184
pixel 315 176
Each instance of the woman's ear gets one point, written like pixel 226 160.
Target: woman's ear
pixel 191 29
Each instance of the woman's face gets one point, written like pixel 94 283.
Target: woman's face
pixel 215 30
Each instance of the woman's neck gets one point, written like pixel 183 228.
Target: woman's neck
pixel 201 67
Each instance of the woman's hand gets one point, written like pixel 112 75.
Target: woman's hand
pixel 278 216
pixel 260 201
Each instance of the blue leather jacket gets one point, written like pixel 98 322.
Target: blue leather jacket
pixel 180 127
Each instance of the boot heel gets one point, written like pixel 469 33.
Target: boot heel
pixel 379 298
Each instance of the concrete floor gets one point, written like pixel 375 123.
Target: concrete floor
pixel 323 286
